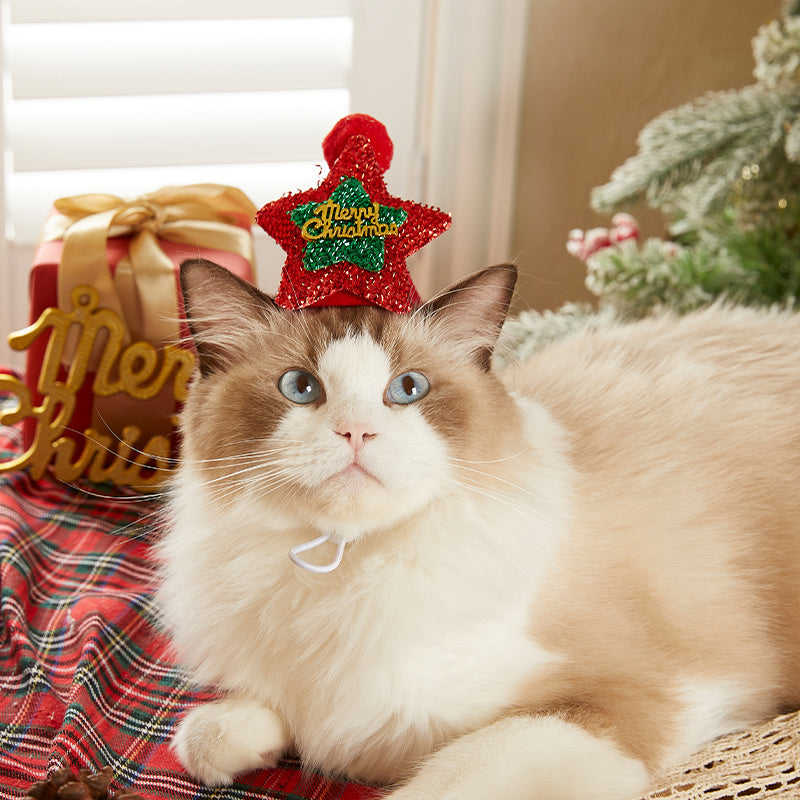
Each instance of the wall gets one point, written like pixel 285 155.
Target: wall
pixel 596 73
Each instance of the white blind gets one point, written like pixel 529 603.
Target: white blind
pixel 126 98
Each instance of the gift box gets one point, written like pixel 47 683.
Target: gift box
pixel 108 358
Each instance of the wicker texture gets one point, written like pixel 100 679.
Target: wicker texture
pixel 755 764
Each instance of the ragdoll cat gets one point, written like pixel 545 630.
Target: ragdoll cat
pixel 554 580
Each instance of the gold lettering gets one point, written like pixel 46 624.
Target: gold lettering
pixel 137 375
pixel 127 471
pixel 321 225
pixel 326 210
pixel 313 229
pixel 136 367
pixel 183 362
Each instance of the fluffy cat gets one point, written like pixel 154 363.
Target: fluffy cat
pixel 555 580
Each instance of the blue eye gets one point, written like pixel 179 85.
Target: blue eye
pixel 408 388
pixel 299 386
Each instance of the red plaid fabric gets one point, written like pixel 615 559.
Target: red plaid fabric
pixel 86 677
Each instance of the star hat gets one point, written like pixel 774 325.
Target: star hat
pixel 347 240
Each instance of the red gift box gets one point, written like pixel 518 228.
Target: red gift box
pixel 102 386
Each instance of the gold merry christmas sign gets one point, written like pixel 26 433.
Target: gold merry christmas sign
pixel 114 331
pixel 137 370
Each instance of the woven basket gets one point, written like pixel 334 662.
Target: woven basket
pixel 758 763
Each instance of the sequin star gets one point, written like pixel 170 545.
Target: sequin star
pixel 346 281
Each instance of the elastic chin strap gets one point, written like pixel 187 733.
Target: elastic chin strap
pixel 318 568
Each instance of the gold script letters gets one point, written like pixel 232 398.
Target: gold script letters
pixel 357 221
pixel 133 370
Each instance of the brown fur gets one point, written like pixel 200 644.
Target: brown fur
pixel 685 553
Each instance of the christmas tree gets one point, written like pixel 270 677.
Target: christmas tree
pixel 725 171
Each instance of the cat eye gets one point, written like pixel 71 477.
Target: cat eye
pixel 408 388
pixel 299 387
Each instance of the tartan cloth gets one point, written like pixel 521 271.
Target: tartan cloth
pixel 86 677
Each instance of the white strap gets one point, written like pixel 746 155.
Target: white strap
pixel 322 568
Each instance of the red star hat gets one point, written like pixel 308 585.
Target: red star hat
pixel 347 240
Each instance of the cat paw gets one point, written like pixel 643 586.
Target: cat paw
pixel 526 758
pixel 217 741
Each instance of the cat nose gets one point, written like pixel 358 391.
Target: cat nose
pixel 356 435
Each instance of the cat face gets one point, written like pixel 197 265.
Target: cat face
pixel 348 418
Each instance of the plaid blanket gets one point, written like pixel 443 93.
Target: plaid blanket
pixel 86 678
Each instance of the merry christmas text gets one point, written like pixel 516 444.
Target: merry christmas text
pixel 135 370
pixel 334 221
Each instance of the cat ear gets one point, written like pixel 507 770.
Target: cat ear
pixel 473 310
pixel 222 310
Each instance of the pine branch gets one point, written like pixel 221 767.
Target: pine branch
pixel 532 330
pixel 703 146
pixel 791 8
pixel 792 143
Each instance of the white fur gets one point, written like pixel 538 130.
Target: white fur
pixel 434 651
pixel 712 708
pixel 406 457
pixel 218 740
pixel 437 606
pixel 531 758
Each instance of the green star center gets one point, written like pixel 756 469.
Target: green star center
pixel 348 226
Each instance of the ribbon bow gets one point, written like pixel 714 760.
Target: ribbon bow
pixel 143 288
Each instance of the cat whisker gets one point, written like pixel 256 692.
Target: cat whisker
pixel 119 457
pixel 258 456
pixel 230 476
pixel 141 497
pixel 221 463
pixel 511 457
pixel 515 486
pixel 480 489
pixel 254 478
pixel 268 449
pixel 152 518
pixel 172 461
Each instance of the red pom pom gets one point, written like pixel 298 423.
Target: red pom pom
pixel 359 125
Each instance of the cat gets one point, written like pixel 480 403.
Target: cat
pixel 546 581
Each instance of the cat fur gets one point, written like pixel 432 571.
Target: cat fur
pixel 557 580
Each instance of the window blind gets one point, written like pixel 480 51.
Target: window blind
pixel 109 97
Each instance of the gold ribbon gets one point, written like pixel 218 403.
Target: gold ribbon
pixel 143 290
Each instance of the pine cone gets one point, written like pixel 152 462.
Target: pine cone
pixel 64 784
